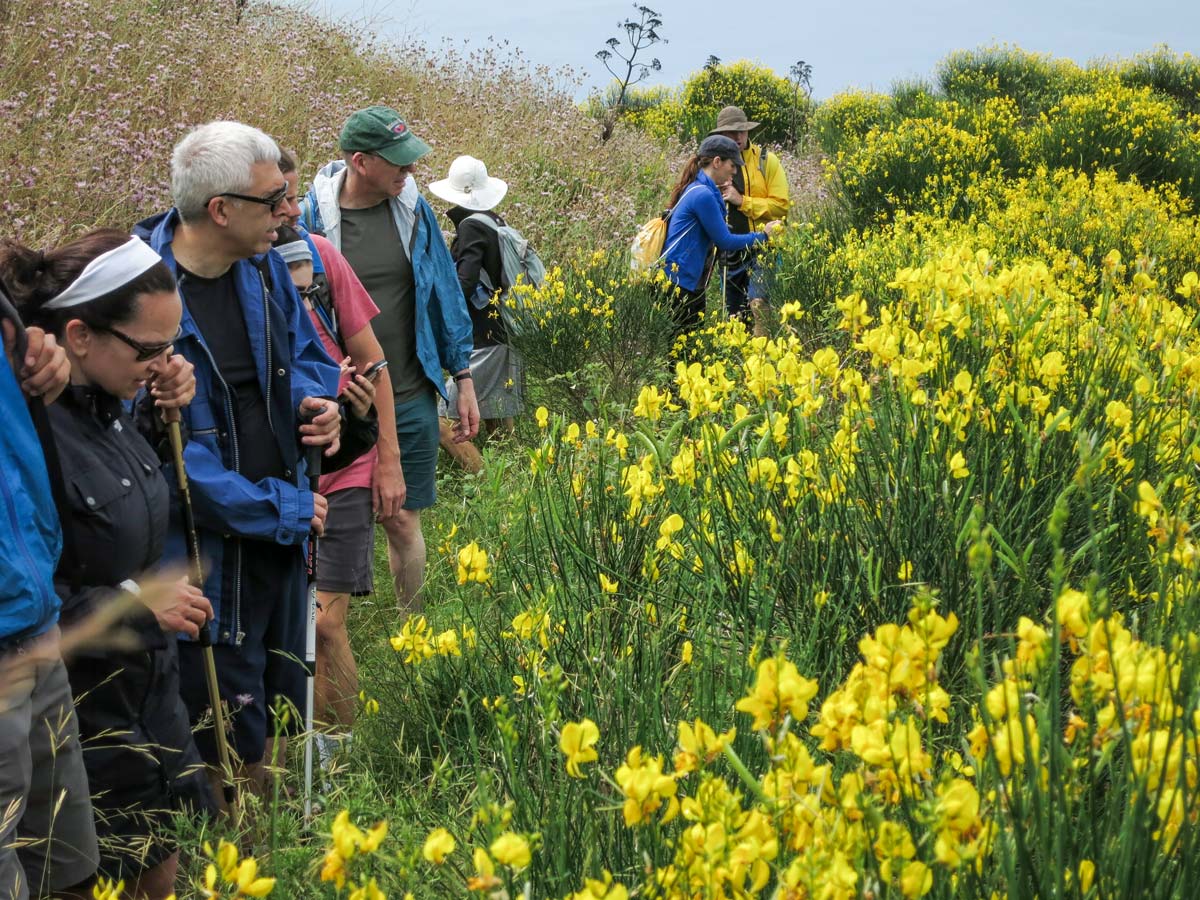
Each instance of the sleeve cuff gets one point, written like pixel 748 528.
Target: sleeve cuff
pixel 295 520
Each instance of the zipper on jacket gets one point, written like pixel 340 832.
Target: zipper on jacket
pixel 267 333
pixel 237 464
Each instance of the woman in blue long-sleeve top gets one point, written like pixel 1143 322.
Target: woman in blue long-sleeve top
pixel 697 223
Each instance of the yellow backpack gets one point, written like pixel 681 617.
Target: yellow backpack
pixel 647 247
pixel 646 251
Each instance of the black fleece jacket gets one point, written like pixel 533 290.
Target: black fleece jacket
pixel 476 248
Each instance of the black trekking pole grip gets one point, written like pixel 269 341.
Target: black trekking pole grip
pixel 313 454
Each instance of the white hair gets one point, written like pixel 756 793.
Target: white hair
pixel 214 159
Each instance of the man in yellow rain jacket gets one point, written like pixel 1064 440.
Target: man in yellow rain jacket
pixel 757 193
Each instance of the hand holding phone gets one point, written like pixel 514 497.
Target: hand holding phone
pixel 374 369
pixel 359 395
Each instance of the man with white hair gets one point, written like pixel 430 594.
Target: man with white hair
pixel 260 372
pixel 368 206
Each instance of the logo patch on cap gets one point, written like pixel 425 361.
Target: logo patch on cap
pixel 398 127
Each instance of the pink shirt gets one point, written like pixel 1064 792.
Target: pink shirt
pixel 355 310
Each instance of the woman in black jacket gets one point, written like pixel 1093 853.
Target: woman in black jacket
pixel 496 367
pixel 112 304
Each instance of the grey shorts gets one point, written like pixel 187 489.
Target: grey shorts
pixel 49 842
pixel 346 553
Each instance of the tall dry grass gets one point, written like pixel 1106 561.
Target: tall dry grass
pixel 96 94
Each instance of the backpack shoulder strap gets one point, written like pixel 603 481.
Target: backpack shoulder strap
pixel 763 153
pixel 687 190
pixel 323 306
pixel 485 218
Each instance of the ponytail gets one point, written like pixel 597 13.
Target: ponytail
pixel 690 170
pixel 34 277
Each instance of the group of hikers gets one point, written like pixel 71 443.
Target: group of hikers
pixel 242 375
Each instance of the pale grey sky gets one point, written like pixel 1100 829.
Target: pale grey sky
pixel 868 43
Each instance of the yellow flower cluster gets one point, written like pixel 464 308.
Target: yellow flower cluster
pixel 348 842
pixel 509 849
pixel 473 565
pixel 229 875
pixel 578 744
pixel 846 118
pixel 914 164
pixel 967 354
pixel 568 298
pixel 1133 131
pixel 897 817
pixel 418 642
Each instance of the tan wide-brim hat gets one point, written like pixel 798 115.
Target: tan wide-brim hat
pixel 470 186
pixel 732 118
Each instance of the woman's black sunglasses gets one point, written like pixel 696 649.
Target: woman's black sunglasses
pixel 145 352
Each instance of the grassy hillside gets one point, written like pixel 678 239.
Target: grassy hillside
pixel 96 94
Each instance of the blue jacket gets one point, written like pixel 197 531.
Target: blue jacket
pixel 444 334
pixel 30 540
pixel 697 222
pixel 292 364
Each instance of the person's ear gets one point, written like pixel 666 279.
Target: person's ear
pixel 218 211
pixel 77 337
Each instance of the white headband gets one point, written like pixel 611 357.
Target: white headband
pixel 296 251
pixel 106 273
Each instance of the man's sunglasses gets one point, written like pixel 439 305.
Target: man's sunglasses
pixel 145 352
pixel 273 199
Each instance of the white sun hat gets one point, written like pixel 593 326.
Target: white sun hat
pixel 469 185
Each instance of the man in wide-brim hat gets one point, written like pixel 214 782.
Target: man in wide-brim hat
pixel 757 193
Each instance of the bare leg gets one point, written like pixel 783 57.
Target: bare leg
pixel 157 883
pixel 336 686
pixel 759 312
pixel 465 454
pixel 406 559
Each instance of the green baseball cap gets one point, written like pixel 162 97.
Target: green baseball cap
pixel 380 130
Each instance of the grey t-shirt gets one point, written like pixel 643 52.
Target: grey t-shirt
pixel 372 245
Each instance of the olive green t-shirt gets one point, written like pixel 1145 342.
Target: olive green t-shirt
pixel 372 245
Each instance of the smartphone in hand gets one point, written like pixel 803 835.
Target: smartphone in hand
pixel 374 369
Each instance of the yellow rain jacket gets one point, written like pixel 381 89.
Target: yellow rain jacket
pixel 766 196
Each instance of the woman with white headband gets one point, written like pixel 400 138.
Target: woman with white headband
pixel 112 303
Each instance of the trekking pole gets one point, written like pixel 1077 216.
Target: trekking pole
pixel 313 456
pixel 725 288
pixel 196 579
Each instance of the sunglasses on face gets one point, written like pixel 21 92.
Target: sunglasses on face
pixel 145 352
pixel 274 200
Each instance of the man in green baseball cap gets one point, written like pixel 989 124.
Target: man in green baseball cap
pixel 368 206
pixel 380 130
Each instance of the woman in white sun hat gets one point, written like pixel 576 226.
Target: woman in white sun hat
pixel 496 368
